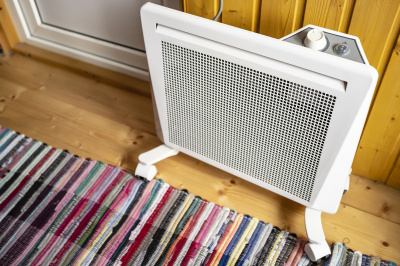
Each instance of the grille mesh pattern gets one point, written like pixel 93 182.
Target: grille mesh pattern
pixel 266 127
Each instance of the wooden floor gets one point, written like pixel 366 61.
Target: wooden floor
pixel 92 119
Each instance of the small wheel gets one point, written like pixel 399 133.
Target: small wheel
pixel 146 171
pixel 317 251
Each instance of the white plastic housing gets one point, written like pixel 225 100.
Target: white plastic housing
pixel 316 40
pixel 146 167
pixel 199 70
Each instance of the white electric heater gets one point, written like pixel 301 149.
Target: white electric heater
pixel 284 114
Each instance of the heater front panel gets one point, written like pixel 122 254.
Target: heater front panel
pixel 269 128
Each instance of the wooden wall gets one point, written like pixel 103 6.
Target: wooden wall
pixel 8 36
pixel 376 23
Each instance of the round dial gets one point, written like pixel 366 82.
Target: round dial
pixel 315 40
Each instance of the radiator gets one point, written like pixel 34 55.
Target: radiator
pixel 284 114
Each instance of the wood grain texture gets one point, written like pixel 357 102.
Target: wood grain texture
pixel 202 8
pixel 373 197
pixel 394 177
pixel 5 46
pixel 242 14
pixel 377 24
pixel 331 14
pixel 92 119
pixel 7 25
pixel 379 146
pixel 96 73
pixel 279 18
pixel 89 95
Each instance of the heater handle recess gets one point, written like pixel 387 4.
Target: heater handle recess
pixel 145 167
pixel 317 247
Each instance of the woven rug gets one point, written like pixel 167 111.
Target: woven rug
pixel 59 209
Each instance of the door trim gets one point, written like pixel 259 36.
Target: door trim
pixel 31 30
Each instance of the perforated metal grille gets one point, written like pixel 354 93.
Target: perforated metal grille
pixel 266 127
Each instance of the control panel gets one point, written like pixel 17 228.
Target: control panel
pixel 327 42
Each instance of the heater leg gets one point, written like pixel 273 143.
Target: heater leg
pixel 317 246
pixel 346 187
pixel 146 168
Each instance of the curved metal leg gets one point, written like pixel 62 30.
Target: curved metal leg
pixel 146 168
pixel 317 246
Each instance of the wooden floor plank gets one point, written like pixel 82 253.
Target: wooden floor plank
pixel 374 197
pixel 80 91
pixel 66 112
pixel 77 127
pixel 85 69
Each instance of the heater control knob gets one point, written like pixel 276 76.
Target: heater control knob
pixel 315 40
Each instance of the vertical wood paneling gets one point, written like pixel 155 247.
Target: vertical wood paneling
pixel 331 14
pixel 394 178
pixel 279 18
pixel 7 25
pixel 4 41
pixel 380 144
pixel 202 8
pixel 242 14
pixel 377 24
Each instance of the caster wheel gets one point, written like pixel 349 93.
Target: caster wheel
pixel 146 171
pixel 317 251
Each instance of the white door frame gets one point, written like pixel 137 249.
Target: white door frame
pixel 31 30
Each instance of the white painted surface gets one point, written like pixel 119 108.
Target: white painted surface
pixel 116 21
pixel 312 69
pixel 112 40
pixel 213 46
